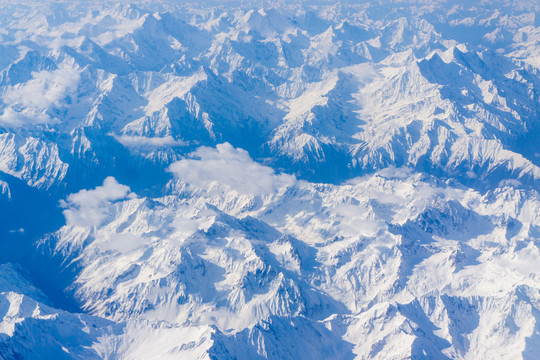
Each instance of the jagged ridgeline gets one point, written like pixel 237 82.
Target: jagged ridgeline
pixel 270 180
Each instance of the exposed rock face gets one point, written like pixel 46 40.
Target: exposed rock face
pixel 305 181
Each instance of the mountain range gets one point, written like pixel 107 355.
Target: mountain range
pixel 245 180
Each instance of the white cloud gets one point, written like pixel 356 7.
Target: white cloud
pixel 510 182
pixel 146 142
pixel 88 207
pixel 470 174
pixel 20 117
pixel 228 166
pixel 44 89
pixel 122 243
pixel 27 103
pixel 393 172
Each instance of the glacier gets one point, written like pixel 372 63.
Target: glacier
pixel 269 180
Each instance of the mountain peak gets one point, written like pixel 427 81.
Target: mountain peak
pixel 305 180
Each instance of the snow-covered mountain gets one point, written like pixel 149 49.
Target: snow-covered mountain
pixel 300 180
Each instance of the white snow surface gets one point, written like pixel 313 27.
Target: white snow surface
pixel 300 180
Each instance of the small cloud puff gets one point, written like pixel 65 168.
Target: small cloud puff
pixel 148 142
pixel 88 207
pixel 232 167
pixel 510 182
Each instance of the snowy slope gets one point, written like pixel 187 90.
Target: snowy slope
pixel 327 96
pixel 380 261
pixel 300 180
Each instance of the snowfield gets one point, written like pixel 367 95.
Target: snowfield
pixel 300 180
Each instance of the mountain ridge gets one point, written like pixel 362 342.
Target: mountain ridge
pixel 306 180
